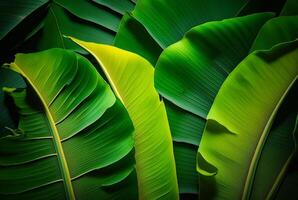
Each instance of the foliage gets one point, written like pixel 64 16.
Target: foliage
pixel 203 99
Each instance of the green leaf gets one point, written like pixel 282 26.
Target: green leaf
pixel 186 129
pixel 278 149
pixel 279 143
pixel 45 29
pixel 131 78
pixel 202 60
pixel 89 12
pixel 25 27
pixel 58 23
pixel 75 136
pixel 15 11
pixel 240 120
pixel 168 20
pixel 164 22
pixel 132 36
pixel 186 173
pixel 285 28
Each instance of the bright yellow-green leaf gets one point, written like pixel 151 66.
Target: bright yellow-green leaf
pixel 131 77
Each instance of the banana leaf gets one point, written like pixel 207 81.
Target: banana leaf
pixel 267 180
pixel 240 120
pixel 278 149
pixel 83 19
pixel 11 13
pixel 131 78
pixel 25 27
pixel 46 29
pixel 92 13
pixel 190 72
pixel 59 22
pixel 186 129
pixel 166 22
pixel 284 27
pixel 46 33
pixel 74 140
pixel 133 36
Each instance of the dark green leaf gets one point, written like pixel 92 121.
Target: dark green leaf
pixel 12 12
pixel 168 20
pixel 59 23
pixel 132 36
pixel 92 13
pixel 277 30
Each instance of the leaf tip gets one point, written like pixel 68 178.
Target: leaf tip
pixel 204 167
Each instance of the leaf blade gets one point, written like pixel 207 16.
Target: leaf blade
pixel 132 80
pixel 261 76
pixel 96 119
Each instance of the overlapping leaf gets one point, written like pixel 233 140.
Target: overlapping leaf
pixel 131 77
pixel 77 144
pixel 189 73
pixel 284 27
pixel 240 120
pixel 133 36
pixel 13 12
pixel 81 19
pixel 166 22
pixel 278 149
pixel 154 25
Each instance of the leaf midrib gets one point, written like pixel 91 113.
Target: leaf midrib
pixel 260 144
pixel 56 140
pixel 57 24
pixel 284 168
